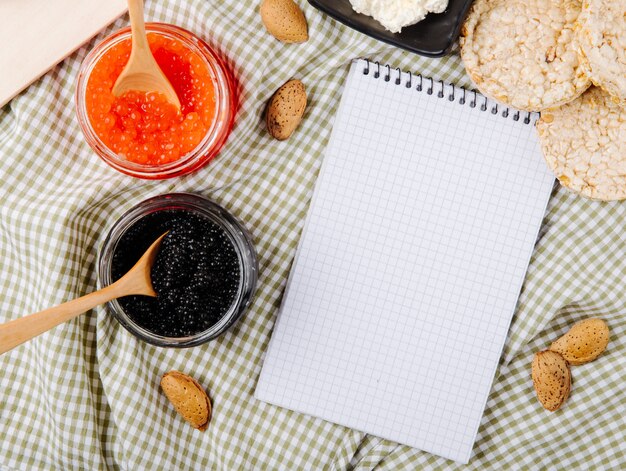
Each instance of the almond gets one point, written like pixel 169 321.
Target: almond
pixel 284 20
pixel 551 378
pixel 584 342
pixel 188 397
pixel 285 109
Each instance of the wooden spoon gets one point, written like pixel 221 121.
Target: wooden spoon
pixel 142 72
pixel 136 281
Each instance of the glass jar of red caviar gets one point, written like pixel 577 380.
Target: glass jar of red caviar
pixel 141 134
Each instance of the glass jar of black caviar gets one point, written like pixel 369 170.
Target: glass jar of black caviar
pixel 205 273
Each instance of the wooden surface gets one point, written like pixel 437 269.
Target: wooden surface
pixel 38 34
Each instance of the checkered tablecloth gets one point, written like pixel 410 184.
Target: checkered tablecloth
pixel 86 394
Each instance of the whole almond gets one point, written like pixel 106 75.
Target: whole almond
pixel 188 397
pixel 284 20
pixel 285 109
pixel 584 342
pixel 551 378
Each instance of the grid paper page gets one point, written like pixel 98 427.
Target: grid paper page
pixel 419 234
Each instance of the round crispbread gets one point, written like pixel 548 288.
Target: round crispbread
pixel 584 143
pixel 521 52
pixel 602 44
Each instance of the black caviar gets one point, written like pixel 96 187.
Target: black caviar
pixel 196 273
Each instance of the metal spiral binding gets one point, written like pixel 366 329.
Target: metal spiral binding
pixel 416 81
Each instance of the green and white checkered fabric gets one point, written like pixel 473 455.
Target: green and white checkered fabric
pixel 86 394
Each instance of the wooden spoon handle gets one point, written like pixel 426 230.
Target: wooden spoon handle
pixel 138 27
pixel 18 331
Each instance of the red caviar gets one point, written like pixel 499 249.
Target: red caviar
pixel 143 127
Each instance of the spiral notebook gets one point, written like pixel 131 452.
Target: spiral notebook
pixel 411 260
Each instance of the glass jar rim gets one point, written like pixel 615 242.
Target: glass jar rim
pixel 237 234
pixel 213 138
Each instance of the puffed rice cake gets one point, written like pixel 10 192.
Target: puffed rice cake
pixel 521 52
pixel 584 143
pixel 602 44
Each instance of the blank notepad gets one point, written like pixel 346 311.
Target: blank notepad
pixel 414 251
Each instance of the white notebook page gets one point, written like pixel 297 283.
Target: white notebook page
pixel 414 251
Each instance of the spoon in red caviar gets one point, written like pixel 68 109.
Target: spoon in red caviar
pixel 136 281
pixel 142 73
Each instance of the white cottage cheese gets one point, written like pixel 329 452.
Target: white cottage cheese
pixel 395 14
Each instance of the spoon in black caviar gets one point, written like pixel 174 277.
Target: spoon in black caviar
pixel 135 281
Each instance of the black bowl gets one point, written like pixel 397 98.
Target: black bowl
pixel 432 37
